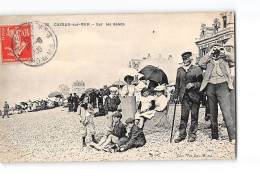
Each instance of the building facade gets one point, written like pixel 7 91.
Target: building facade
pixel 78 87
pixel 221 32
pixel 135 63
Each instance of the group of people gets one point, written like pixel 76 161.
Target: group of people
pixel 29 106
pixel 73 102
pixel 126 111
pixel 129 108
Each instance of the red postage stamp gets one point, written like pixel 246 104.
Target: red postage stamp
pixel 16 43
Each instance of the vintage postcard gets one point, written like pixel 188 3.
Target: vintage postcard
pixel 117 87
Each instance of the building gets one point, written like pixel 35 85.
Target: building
pixel 78 87
pixel 138 64
pixel 135 63
pixel 221 32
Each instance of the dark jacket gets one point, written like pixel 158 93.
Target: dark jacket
pixel 119 130
pixel 193 75
pixel 136 138
pixel 225 64
pixel 112 104
pixel 6 107
pixel 75 99
pixel 70 99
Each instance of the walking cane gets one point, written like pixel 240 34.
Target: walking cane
pixel 175 103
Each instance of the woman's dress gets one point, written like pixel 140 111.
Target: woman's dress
pixel 128 102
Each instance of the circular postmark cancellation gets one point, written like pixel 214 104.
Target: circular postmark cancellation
pixel 34 43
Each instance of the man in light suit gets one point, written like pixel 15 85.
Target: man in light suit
pixel 217 82
pixel 188 81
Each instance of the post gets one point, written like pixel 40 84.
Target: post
pixel 175 103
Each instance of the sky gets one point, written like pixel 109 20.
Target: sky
pixel 95 54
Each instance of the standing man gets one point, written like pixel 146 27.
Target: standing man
pixel 188 81
pixel 6 109
pixel 70 102
pixel 75 102
pixel 217 82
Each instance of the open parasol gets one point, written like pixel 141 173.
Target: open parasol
pixel 154 73
pixel 119 83
pixel 55 94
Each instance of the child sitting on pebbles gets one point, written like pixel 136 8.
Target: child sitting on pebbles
pixel 116 132
pixel 134 139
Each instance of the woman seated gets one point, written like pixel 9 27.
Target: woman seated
pixel 159 121
pixel 161 103
pixel 145 108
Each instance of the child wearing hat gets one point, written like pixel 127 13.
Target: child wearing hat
pixel 116 131
pixel 134 139
pixel 111 104
pixel 145 108
pixel 112 101
pixel 85 112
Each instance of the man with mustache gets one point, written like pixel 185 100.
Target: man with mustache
pixel 188 81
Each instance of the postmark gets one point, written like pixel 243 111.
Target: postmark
pixel 32 43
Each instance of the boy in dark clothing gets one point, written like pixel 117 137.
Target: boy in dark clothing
pixel 112 101
pixel 116 132
pixel 101 111
pixel 111 104
pixel 135 137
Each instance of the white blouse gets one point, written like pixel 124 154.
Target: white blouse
pixel 161 103
pixel 146 102
pixel 128 90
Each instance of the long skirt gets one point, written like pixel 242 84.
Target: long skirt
pixel 158 123
pixel 128 106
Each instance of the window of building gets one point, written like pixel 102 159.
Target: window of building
pixel 204 51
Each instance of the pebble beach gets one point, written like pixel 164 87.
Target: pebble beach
pixel 54 136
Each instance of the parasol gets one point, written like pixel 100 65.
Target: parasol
pixel 154 73
pixel 55 94
pixel 119 83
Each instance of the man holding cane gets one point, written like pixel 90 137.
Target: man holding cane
pixel 188 82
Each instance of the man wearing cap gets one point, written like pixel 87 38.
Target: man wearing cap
pixel 217 82
pixel 188 81
pixel 135 137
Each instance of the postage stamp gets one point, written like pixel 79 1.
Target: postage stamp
pixel 16 41
pixel 31 43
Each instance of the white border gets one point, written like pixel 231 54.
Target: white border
pixel 247 36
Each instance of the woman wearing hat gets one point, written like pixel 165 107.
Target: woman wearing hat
pixel 161 102
pixel 128 101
